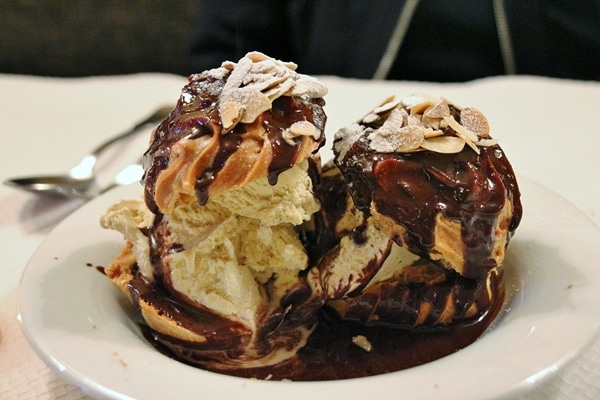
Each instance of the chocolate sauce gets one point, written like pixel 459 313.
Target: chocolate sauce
pixel 228 144
pixel 221 333
pixel 286 111
pixel 330 352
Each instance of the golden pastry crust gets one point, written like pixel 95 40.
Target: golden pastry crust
pixel 121 272
pixel 176 184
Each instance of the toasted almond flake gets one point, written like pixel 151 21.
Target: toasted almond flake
pixel 467 140
pixel 388 99
pixel 406 139
pixel 346 137
pixel 261 82
pixel 469 137
pixel 475 121
pixel 412 137
pixel 279 90
pixel 429 133
pixel 255 81
pixel 487 142
pixel 305 128
pixel 393 123
pixel 231 113
pixel 307 86
pixel 382 144
pixel 390 104
pixel 236 78
pixel 370 118
pixel 419 108
pixel 416 98
pixel 444 144
pixel 452 123
pixel 257 106
pixel 438 110
pixel 413 120
pixel 300 128
pixel 257 56
pixel 362 342
pixel 252 102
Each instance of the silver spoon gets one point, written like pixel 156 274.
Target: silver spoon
pixel 80 181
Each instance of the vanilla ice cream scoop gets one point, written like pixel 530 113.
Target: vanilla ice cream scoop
pixel 214 260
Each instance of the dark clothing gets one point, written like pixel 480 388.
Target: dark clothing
pixel 445 41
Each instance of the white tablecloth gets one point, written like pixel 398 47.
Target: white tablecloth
pixel 548 128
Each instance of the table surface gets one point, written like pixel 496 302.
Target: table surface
pixel 47 124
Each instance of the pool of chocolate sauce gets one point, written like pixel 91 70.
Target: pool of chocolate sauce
pixel 330 353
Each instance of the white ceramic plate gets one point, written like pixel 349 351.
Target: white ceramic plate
pixel 81 326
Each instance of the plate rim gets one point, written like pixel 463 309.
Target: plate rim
pixel 90 386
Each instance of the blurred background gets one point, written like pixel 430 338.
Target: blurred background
pixel 95 37
pixel 445 41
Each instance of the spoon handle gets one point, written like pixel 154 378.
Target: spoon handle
pixel 155 117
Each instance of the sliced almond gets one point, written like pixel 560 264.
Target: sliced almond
pixel 280 90
pixel 410 138
pixel 262 82
pixel 370 119
pixel 429 133
pixel 475 121
pixel 231 113
pixel 413 120
pixel 406 139
pixel 392 124
pixel 309 86
pixel 300 128
pixel 438 110
pixel 433 115
pixel 344 138
pixel 420 108
pixel 444 144
pixel 362 342
pixel 416 98
pixel 469 137
pixel 236 78
pixel 390 104
pixel 255 104
pixel 487 142
pixel 257 56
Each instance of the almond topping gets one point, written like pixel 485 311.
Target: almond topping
pixel 300 128
pixel 254 82
pixel 444 144
pixel 420 122
pixel 475 121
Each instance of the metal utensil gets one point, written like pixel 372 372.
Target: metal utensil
pixel 80 182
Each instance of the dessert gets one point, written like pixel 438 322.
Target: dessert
pixel 213 259
pixel 425 205
pixel 247 257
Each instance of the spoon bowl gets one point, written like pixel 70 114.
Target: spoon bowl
pixel 80 182
pixel 64 185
